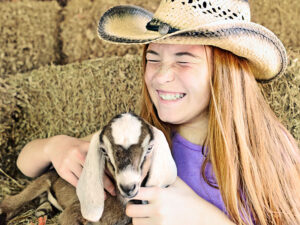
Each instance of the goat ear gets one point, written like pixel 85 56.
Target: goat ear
pixel 90 190
pixel 163 170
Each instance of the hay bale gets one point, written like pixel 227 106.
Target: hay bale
pixel 75 99
pixel 28 31
pixel 10 113
pixel 281 17
pixel 79 29
pixel 283 95
pixel 60 2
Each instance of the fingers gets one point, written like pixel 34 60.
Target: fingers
pixel 148 193
pixel 80 154
pixel 142 221
pixel 138 210
pixel 71 178
pixel 70 170
pixel 76 161
pixel 76 169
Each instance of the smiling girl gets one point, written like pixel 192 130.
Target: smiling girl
pixel 236 162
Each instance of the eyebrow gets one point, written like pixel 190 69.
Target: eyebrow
pixel 185 53
pixel 177 54
pixel 152 52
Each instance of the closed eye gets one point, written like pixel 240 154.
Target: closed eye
pixel 183 63
pixel 103 151
pixel 149 149
pixel 152 60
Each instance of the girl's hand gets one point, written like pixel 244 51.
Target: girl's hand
pixel 67 155
pixel 176 205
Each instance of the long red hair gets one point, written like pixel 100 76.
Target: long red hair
pixel 254 157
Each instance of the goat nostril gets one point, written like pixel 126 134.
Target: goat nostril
pixel 128 189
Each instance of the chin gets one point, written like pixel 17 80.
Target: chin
pixel 168 118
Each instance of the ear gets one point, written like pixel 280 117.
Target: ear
pixel 163 169
pixel 90 190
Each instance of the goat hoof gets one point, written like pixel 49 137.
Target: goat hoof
pixel 81 222
pixel 43 210
pixel 73 221
pixel 5 214
pixel 2 218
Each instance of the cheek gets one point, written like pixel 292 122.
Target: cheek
pixel 148 70
pixel 204 91
pixel 197 85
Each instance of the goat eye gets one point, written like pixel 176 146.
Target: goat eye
pixel 103 151
pixel 149 149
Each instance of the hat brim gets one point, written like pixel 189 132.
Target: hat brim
pixel 265 52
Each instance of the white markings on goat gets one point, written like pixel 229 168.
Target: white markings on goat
pixel 128 176
pixel 54 201
pixel 126 130
pixel 146 141
pixel 109 150
pixel 146 145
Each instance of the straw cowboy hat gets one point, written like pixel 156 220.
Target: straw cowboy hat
pixel 221 23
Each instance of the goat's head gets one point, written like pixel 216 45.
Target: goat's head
pixel 131 149
pixel 127 143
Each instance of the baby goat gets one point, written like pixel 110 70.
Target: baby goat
pixel 134 152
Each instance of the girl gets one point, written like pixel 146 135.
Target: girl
pixel 236 163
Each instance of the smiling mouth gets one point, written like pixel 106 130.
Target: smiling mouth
pixel 170 96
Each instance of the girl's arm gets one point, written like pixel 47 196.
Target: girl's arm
pixel 176 205
pixel 66 154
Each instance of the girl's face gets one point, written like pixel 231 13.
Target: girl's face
pixel 177 78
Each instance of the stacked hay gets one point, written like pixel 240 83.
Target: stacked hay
pixel 9 115
pixel 79 29
pixel 28 31
pixel 281 17
pixel 60 2
pixel 75 99
pixel 283 95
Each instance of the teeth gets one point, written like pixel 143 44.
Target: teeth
pixel 171 96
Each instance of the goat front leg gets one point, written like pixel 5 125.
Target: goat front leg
pixel 12 204
pixel 72 215
pixel 114 213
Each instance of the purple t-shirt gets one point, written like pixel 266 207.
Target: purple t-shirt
pixel 189 158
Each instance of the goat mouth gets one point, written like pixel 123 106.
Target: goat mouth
pixel 129 196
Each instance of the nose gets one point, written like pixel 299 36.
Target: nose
pixel 128 189
pixel 165 74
